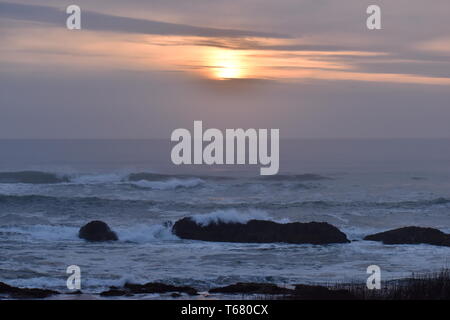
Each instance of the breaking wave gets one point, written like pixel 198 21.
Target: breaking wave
pixel 32 177
pixel 135 234
pixel 295 177
pixel 7 199
pixel 42 232
pixel 231 216
pixel 41 177
pixel 97 178
pixel 148 176
pixel 145 233
pixel 169 184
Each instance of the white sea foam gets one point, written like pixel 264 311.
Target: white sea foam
pixel 145 233
pixel 137 233
pixel 232 215
pixel 44 232
pixel 16 188
pixel 98 178
pixel 169 184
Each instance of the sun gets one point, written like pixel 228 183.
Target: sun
pixel 228 71
pixel 227 64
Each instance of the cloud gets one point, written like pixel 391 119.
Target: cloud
pixel 439 46
pixel 141 44
pixel 104 22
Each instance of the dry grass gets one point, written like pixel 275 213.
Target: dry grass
pixel 428 286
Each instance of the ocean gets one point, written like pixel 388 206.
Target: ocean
pixel 50 188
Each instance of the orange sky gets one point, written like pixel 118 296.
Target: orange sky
pixel 139 69
pixel 214 59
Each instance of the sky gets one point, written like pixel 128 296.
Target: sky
pixel 140 69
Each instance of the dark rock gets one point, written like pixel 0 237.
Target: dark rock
pixel 301 292
pixel 309 292
pixel 6 288
pixel 252 288
pixel 97 231
pixel 33 293
pixel 25 293
pixel 77 292
pixel 412 235
pixel 156 287
pixel 112 292
pixel 260 231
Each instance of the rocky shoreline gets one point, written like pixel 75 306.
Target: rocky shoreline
pixel 431 286
pixel 265 231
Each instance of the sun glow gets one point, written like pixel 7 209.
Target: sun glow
pixel 227 64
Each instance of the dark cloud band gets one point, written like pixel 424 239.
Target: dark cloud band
pixel 104 22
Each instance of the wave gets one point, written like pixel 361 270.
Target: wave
pixel 70 201
pixel 295 177
pixel 295 186
pixel 203 204
pixel 229 216
pixel 145 233
pixel 135 234
pixel 32 177
pixel 233 216
pixel 141 233
pixel 148 176
pixel 169 184
pixel 315 204
pixel 97 178
pixel 192 206
pixel 42 177
pixel 43 232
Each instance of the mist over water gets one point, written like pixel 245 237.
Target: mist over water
pixel 49 189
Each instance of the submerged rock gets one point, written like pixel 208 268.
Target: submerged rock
pixel 25 293
pixel 412 235
pixel 311 292
pixel 77 292
pixel 97 231
pixel 151 287
pixel 302 292
pixel 156 287
pixel 114 292
pixel 259 231
pixel 252 288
